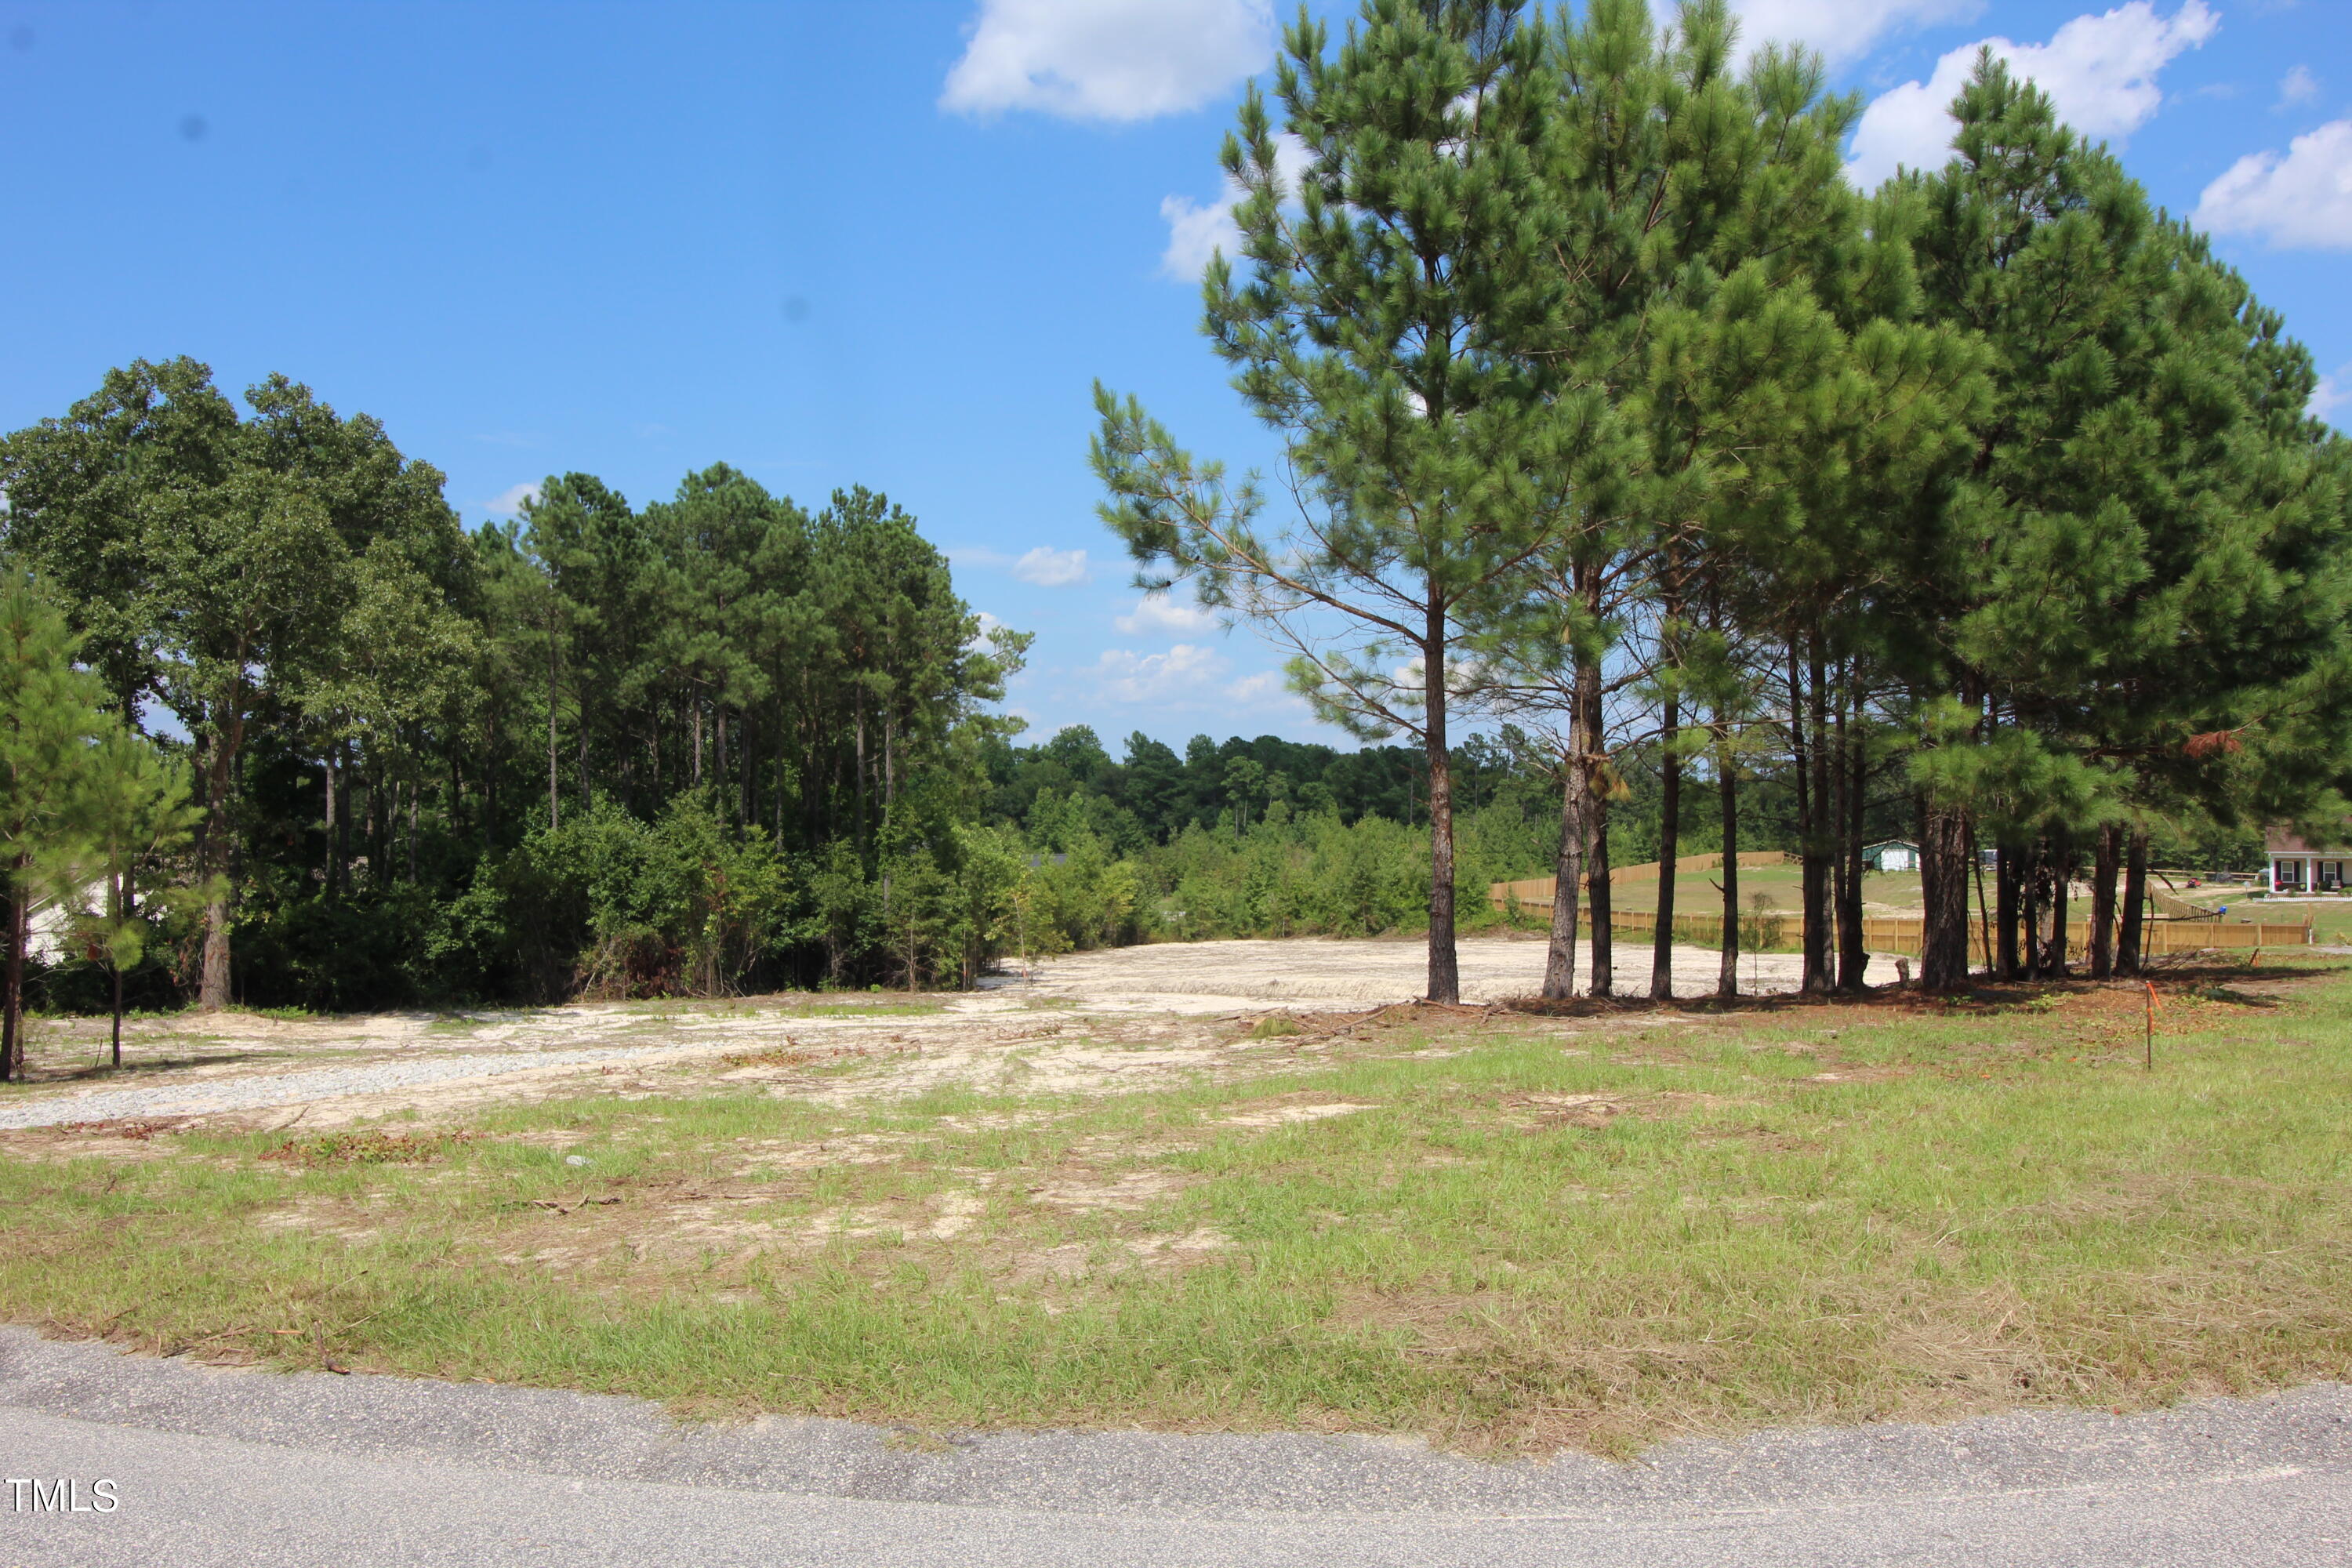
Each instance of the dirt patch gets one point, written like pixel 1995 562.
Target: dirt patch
pixel 1078 1260
pixel 1129 1193
pixel 367 1148
pixel 1291 1115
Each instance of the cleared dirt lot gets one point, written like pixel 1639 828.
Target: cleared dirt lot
pixel 1086 1022
pixel 1324 972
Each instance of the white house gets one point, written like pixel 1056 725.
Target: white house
pixel 2300 868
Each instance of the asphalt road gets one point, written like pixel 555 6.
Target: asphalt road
pixel 259 1470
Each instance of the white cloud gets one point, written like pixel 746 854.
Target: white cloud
pixel 2301 201
pixel 984 624
pixel 2299 86
pixel 2329 396
pixel 1052 568
pixel 1182 675
pixel 508 502
pixel 1839 30
pixel 2100 72
pixel 1198 231
pixel 1046 568
pixel 1108 59
pixel 1158 613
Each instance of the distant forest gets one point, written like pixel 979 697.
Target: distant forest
pixel 715 742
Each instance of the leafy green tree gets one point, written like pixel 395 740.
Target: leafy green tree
pixel 214 562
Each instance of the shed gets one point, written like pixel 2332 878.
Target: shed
pixel 1894 855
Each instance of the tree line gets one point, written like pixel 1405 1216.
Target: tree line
pixel 278 732
pixel 717 733
pixel 1607 407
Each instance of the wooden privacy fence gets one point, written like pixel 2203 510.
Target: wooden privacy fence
pixel 1538 890
pixel 1903 933
pixel 1899 933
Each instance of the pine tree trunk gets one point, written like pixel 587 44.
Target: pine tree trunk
pixel 2036 872
pixel 1831 739
pixel 1568 869
pixel 2128 958
pixel 12 985
pixel 121 900
pixel 1853 956
pixel 1445 975
pixel 1596 817
pixel 1727 785
pixel 1813 938
pixel 1596 876
pixel 2062 884
pixel 1983 918
pixel 2106 860
pixel 554 788
pixel 327 874
pixel 342 845
pixel 2008 877
pixel 860 761
pixel 214 992
pixel 1944 892
pixel 1670 806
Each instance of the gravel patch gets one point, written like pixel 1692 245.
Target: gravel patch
pixel 204 1098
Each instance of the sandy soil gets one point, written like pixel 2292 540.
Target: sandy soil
pixel 1329 972
pixel 1086 1023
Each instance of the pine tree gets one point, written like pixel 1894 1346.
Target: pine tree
pixel 2043 248
pixel 49 725
pixel 132 807
pixel 1366 334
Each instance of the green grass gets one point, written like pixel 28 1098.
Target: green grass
pixel 1797 1214
pixel 2331 919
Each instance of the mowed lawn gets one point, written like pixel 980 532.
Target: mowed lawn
pixel 1507 1232
pixel 1701 892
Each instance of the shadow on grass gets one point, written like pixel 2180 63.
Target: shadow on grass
pixel 2204 978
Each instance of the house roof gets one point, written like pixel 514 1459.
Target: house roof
pixel 2279 841
pixel 1890 844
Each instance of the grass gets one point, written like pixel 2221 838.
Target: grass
pixel 2331 919
pixel 1507 1233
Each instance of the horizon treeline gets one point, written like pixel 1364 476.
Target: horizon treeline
pixel 1987 500
pixel 719 742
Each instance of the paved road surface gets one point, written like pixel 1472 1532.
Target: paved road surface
pixel 257 1469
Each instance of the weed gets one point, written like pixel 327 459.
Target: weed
pixel 366 1147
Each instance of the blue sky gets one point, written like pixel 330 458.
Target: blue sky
pixel 890 243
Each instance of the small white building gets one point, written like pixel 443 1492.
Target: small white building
pixel 1895 855
pixel 2296 866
